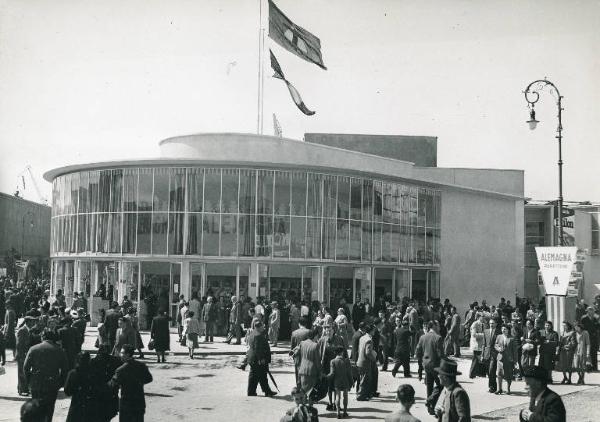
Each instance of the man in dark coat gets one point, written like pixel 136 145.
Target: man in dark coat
pixel 209 316
pixel 80 324
pixel 490 354
pixel 431 350
pixel 23 345
pixel 402 339
pixel 591 324
pixel 548 345
pixel 358 313
pixel 456 405
pixel 159 333
pixel 545 405
pixel 45 370
pixel 131 378
pixel 235 321
pixel 258 357
pixel 298 335
pixel 103 368
pixel 69 340
pixel 111 323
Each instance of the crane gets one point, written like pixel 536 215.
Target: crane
pixel 27 171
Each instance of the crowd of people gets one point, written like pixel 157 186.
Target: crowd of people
pixel 333 351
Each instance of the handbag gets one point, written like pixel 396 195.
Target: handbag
pixel 151 344
pixel 319 391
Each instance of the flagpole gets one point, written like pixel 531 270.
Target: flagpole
pixel 260 68
pixel 262 82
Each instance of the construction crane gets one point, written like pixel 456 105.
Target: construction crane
pixel 21 180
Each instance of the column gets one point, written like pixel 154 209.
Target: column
pixel 254 280
pixel 185 280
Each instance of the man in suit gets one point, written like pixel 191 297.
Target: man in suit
pixel 591 324
pixel 456 406
pixel 22 347
pixel 69 340
pixel 131 378
pixel 402 338
pixel 258 357
pixel 413 322
pixel 530 340
pixel 235 321
pixel 367 358
pixel 309 359
pixel 358 313
pixel 454 331
pixel 298 336
pixel 431 350
pixel 111 323
pixel 80 324
pixel 545 405
pixel 45 370
pixel 548 345
pixel 490 355
pixel 209 316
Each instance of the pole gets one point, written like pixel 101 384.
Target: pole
pixel 260 48
pixel 561 238
pixel 262 81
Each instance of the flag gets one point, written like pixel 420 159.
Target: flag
pixel 293 38
pixel 277 127
pixel 293 91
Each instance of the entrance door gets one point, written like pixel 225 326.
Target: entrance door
pixel 419 285
pixel 383 285
pixel 175 281
pixel 310 284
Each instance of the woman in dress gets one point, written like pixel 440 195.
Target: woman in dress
pixel 125 335
pixel 507 358
pixel 159 332
pixel 582 351
pixel 341 321
pixel 191 332
pixel 139 343
pixel 566 350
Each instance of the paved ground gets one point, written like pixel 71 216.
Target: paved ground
pixel 210 388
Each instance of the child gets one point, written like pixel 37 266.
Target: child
pixel 341 375
pixel 301 412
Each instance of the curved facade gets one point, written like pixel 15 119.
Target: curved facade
pixel 248 215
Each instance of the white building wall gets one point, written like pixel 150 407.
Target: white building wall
pixel 482 248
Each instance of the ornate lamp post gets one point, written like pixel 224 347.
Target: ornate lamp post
pixel 532 96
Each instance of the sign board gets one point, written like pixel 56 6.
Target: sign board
pixel 556 263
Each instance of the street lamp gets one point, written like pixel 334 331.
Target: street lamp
pixel 532 96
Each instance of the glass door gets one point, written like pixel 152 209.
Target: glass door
pixel 310 284
pixel 433 285
pixel 419 285
pixel 401 284
pixel 175 291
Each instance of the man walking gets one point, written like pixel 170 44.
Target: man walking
pixel 592 325
pixel 45 370
pixel 22 347
pixel 402 338
pixel 455 331
pixel 490 354
pixel 431 350
pixel 258 357
pixel 209 316
pixel 131 378
pixel 235 321
pixel 298 336
pixel 111 323
pixel 367 357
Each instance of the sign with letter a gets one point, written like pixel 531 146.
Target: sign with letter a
pixel 556 264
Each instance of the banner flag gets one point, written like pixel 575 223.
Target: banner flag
pixel 556 264
pixel 293 38
pixel 293 91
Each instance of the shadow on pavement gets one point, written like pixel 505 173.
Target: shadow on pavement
pixel 157 395
pixel 487 418
pixel 14 398
pixel 367 409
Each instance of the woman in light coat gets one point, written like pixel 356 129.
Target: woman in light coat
pixel 582 351
pixel 476 345
pixel 125 335
pixel 191 331
pixel 566 349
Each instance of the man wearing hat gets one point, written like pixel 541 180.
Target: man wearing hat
pixel 402 341
pixel 431 350
pixel 545 404
pixel 22 347
pixel 406 396
pixel 517 334
pixel 455 406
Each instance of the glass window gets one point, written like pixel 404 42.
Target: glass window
pixel 144 233
pixel 92 221
pixel 386 242
pixel 330 197
pixel 404 243
pixel 228 233
pixel 395 249
pixel 265 192
pixel 396 204
pixel 298 241
pixel 419 245
pixel 429 246
pixel 116 191
pixel 248 193
pixel 102 238
pixel 84 182
pixel 177 190
pixel 377 201
pixel 81 232
pixel 104 188
pixel 212 190
pixel 264 235
pixel 229 200
pixel 211 230
pixel 130 179
pixel 314 195
pixel 160 196
pixel 405 217
pixel 129 231
pixel 176 228
pixel 246 238
pixel 343 238
pixel 355 199
pixel 414 205
pixel 434 285
pixel 160 223
pixel 313 238
pixel 298 195
pixel 66 195
pixel 422 207
pixel 329 232
pixel 367 241
pixel 281 237
pixel 93 191
pixel 343 197
pixel 144 190
pixel 194 239
pixel 377 241
pixel 114 224
pixel 195 189
pixel 74 192
pixel 282 193
pixel 367 197
pixel 388 202
pixel 354 249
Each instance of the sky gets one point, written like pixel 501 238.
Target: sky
pixel 86 81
